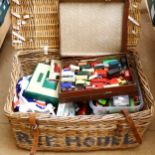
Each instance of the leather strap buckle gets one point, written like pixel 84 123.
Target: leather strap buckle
pixel 132 126
pixel 35 132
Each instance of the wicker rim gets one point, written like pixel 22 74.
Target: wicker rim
pixel 16 72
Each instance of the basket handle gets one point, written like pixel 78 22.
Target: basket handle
pixel 132 126
pixel 35 132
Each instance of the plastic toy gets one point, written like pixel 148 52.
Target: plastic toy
pixel 98 76
pixel 127 75
pixel 82 110
pixel 80 82
pixel 54 70
pixel 102 72
pixel 81 77
pixel 114 72
pixel 74 67
pixel 68 79
pixel 97 110
pixel 87 66
pixel 67 73
pixel 102 102
pixel 101 80
pixel 66 109
pixel 98 85
pixel 99 66
pixel 107 62
pixel 66 85
pixel 132 104
pixel 88 70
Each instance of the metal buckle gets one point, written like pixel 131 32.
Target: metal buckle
pixel 34 127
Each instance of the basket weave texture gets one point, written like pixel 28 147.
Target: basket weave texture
pixel 43 28
pixel 78 133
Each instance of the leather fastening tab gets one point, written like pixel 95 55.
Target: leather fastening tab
pixel 132 126
pixel 35 132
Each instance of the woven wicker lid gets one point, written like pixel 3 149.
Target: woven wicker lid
pixel 96 28
pixel 35 24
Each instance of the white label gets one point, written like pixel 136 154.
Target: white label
pixel 15 14
pixel 133 20
pixel 17 42
pixel 16 27
pixel 18 36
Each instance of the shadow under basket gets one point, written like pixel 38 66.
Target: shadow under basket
pixel 78 133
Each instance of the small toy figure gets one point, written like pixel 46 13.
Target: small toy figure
pixel 54 70
pixel 67 85
pixel 114 64
pixel 88 70
pixel 99 66
pixel 107 62
pixel 102 72
pixel 74 67
pixel 81 77
pixel 100 80
pixel 114 72
pixel 97 109
pixel 87 66
pixel 127 75
pixel 67 73
pixel 93 64
pixel 68 79
pixel 93 76
pixel 114 81
pixel 82 109
pixel 98 85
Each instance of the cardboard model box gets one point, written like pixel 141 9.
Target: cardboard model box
pixel 41 87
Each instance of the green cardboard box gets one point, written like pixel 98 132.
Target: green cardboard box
pixel 40 87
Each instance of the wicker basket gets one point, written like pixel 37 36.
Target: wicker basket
pixel 78 133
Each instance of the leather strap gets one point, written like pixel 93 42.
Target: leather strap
pixel 125 27
pixel 35 133
pixel 132 126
